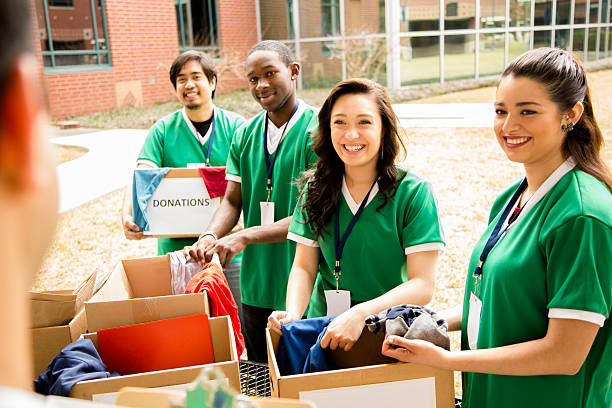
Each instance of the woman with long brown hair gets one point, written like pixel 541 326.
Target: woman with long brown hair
pixel 367 231
pixel 535 317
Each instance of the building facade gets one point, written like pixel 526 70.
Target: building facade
pixel 98 55
pixel 407 42
pixel 105 54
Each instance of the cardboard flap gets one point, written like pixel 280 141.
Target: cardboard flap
pixel 115 313
pixel 84 291
pixel 116 286
pixel 148 277
pixel 51 308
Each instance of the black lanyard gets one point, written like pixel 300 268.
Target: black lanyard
pixel 210 140
pixel 339 244
pixel 270 164
pixel 496 234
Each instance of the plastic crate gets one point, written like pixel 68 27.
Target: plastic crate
pixel 254 379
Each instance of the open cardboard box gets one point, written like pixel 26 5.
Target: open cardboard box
pixel 138 291
pixel 226 361
pixel 57 319
pixel 365 379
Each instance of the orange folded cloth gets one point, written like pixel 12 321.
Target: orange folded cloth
pixel 212 280
pixel 159 345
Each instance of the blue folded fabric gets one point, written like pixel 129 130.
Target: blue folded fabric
pixel 299 349
pixel 144 185
pixel 76 362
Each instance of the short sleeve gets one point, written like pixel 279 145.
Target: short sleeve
pixel 232 170
pixel 299 229
pixel 422 230
pixel 578 271
pixel 153 147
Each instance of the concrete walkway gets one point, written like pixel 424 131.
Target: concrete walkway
pixel 111 156
pixel 106 167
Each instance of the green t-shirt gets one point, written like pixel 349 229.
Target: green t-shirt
pixel 374 256
pixel 172 142
pixel 265 267
pixel 554 262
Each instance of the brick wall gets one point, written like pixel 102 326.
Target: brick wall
pixel 143 42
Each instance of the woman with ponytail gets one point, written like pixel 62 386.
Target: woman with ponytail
pixel 535 317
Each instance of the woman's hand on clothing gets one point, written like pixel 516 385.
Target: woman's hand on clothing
pixel 344 330
pixel 279 318
pixel 413 351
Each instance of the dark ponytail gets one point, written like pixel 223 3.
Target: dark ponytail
pixel 564 77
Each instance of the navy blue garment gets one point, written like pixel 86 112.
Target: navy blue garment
pixel 77 361
pixel 299 349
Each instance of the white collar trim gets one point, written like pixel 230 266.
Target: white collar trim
pixel 349 199
pixel 548 184
pixel 194 131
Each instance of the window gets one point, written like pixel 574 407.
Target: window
pixel 330 24
pixel 73 33
pixel 61 3
pixel 197 25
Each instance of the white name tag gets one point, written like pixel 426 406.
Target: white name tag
pixel 473 321
pixel 195 165
pixel 338 301
pixel 267 212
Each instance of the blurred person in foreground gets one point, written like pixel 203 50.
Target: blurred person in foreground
pixel 28 203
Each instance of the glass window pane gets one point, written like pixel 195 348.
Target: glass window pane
pixel 563 11
pixel 605 9
pixel 418 15
pixel 320 70
pixel 520 13
pixel 593 14
pixel 459 15
pixel 578 46
pixel 580 12
pixel 492 13
pixel 367 58
pixel 364 16
pixel 541 39
pixel 458 57
pixel 543 13
pixel 518 43
pixel 42 30
pixel 275 20
pixel 491 54
pixel 420 60
pixel 592 44
pixel 330 19
pixel 562 39
pixel 101 45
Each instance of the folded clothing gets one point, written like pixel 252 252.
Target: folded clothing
pixel 78 361
pixel 411 322
pixel 214 180
pixel 144 185
pixel 211 280
pixel 299 349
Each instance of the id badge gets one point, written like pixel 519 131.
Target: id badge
pixel 338 301
pixel 473 324
pixel 267 212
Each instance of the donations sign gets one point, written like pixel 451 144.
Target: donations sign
pixel 180 206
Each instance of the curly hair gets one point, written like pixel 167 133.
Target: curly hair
pixel 564 78
pixel 322 184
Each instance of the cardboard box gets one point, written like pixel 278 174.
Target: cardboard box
pixel 226 361
pixel 365 379
pixel 58 319
pixel 139 291
pixel 47 342
pixel 180 198
pixel 58 307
